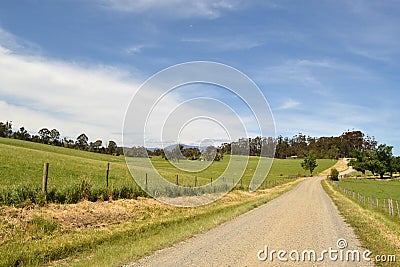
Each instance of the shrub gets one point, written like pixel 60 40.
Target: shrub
pixel 85 189
pixel 73 194
pixel 334 175
pixel 31 194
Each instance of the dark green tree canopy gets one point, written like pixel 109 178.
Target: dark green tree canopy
pixel 310 162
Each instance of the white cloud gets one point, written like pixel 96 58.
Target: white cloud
pixel 10 42
pixel 289 104
pixel 173 8
pixel 136 49
pixel 37 92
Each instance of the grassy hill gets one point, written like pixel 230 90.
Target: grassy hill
pixel 86 233
pixel 22 166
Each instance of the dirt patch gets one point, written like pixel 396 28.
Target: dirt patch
pixel 85 214
pixel 340 165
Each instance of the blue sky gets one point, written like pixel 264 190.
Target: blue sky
pixel 323 66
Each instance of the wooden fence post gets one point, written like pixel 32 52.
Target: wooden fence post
pixel 147 182
pixel 45 176
pixel 390 202
pixel 211 180
pixel 108 170
pixel 398 211
pixel 177 179
pixel 195 181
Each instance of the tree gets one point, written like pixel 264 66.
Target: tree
pixel 378 161
pixel 157 152
pixel 360 160
pixel 137 152
pixel 44 134
pixel 97 144
pixel 396 164
pixel 218 156
pixel 82 141
pixel 5 129
pixel 350 141
pixel 69 143
pixel 191 153
pixel 55 136
pixel 176 153
pixel 209 153
pixel 310 162
pixel 112 147
pixel 384 156
pixel 22 134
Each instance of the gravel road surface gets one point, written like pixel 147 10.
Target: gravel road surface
pixel 304 218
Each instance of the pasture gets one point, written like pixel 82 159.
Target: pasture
pixel 22 166
pixel 381 189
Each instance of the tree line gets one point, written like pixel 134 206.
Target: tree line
pixel 378 161
pixel 53 137
pixel 300 145
pixel 364 149
pixel 178 152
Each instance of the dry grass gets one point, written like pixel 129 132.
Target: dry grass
pixel 88 214
pixel 340 165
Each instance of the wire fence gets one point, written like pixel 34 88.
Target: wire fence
pixel 386 205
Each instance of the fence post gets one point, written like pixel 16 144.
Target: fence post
pixel 177 180
pixel 45 176
pixel 108 170
pixel 211 180
pixel 147 182
pixel 398 211
pixel 390 201
pixel 195 181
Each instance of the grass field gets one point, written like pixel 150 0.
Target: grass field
pixel 377 231
pixel 76 175
pixel 381 189
pixel 22 163
pixel 87 233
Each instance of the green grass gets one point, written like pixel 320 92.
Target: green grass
pixel 22 162
pixel 381 189
pixel 42 240
pixel 376 231
pixel 22 165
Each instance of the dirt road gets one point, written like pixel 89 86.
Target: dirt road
pixel 302 219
